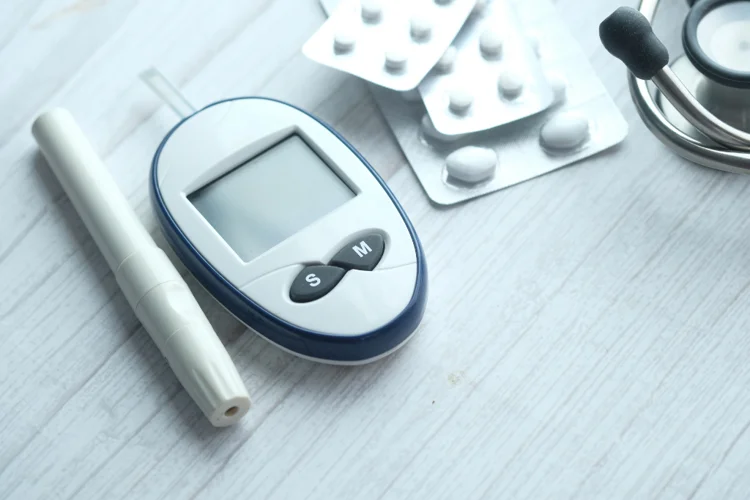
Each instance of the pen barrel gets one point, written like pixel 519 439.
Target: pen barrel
pixel 154 289
pixel 92 190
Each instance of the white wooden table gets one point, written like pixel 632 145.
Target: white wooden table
pixel 586 333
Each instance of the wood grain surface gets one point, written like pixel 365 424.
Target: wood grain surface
pixel 586 335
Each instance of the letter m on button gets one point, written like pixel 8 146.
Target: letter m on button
pixel 362 249
pixel 362 254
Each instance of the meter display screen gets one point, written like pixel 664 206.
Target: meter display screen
pixel 269 198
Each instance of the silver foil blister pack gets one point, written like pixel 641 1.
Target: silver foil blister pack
pixel 490 75
pixel 583 121
pixel 392 43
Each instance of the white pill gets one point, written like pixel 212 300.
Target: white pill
pixel 479 8
pixel 471 164
pixel 395 60
pixel 491 43
pixel 565 131
pixel 344 39
pixel 443 2
pixel 412 95
pixel 421 28
pixel 446 62
pixel 510 83
pixel 460 101
pixel 372 10
pixel 558 84
pixel 428 129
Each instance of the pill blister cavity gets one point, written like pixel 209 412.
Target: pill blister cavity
pixel 459 101
pixel 565 132
pixel 510 83
pixel 421 28
pixel 491 43
pixel 558 84
pixel 372 11
pixel 395 60
pixel 344 39
pixel 447 61
pixel 471 164
pixel 429 130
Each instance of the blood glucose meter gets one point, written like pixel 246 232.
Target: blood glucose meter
pixel 291 230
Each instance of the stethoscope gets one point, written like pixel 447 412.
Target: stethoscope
pixel 702 107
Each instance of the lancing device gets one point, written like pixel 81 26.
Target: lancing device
pixel 155 290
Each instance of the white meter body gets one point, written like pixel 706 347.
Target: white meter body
pixel 291 230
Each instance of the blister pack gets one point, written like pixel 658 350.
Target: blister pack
pixel 489 76
pixel 583 121
pixel 392 43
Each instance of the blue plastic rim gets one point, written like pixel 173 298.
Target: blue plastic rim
pixel 299 340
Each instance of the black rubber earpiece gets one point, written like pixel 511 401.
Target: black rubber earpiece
pixel 628 36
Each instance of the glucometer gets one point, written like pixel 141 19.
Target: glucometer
pixel 291 230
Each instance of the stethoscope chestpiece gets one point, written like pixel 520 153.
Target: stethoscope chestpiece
pixel 716 38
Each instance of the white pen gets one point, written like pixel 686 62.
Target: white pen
pixel 153 287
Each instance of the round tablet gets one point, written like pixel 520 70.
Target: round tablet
pixel 471 164
pixel 446 62
pixel 558 84
pixel 491 43
pixel 460 101
pixel 395 60
pixel 344 39
pixel 565 131
pixel 372 10
pixel 428 129
pixel 510 83
pixel 421 28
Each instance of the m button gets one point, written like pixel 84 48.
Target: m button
pixel 362 254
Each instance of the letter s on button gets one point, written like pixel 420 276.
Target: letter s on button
pixel 312 280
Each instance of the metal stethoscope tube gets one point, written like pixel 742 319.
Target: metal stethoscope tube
pixel 684 145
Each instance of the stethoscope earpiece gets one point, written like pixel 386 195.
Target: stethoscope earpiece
pixel 628 36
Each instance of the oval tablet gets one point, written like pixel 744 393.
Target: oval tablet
pixel 372 10
pixel 558 84
pixel 510 83
pixel 395 60
pixel 491 43
pixel 446 62
pixel 471 164
pixel 565 131
pixel 344 39
pixel 428 129
pixel 460 101
pixel 421 28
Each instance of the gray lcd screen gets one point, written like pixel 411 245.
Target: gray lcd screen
pixel 269 198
